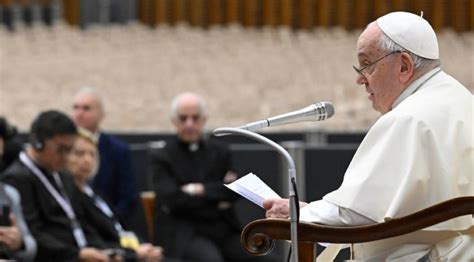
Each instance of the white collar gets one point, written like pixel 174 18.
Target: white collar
pixel 96 137
pixel 193 147
pixel 413 87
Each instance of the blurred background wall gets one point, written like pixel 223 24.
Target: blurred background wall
pixel 250 58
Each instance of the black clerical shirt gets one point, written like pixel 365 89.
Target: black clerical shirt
pixel 181 216
pixel 180 163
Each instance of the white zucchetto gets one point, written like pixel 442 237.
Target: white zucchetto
pixel 411 32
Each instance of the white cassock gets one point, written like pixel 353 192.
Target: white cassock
pixel 417 155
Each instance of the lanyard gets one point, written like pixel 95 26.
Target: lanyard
pixel 102 206
pixel 62 200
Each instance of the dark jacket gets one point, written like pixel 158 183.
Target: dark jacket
pixel 115 180
pixel 104 225
pixel 46 220
pixel 179 215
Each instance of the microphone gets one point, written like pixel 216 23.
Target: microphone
pixel 315 112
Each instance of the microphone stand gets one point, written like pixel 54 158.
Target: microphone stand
pixel 291 177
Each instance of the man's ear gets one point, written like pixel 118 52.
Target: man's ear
pixel 407 68
pixel 174 120
pixel 101 113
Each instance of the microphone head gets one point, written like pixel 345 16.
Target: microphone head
pixel 329 108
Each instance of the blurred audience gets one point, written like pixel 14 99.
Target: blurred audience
pixel 26 9
pixel 104 12
pixel 194 217
pixel 115 180
pixel 7 14
pixel 16 241
pixel 50 202
pixel 82 164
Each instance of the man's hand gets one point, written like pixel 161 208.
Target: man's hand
pixel 194 189
pixel 89 254
pixel 10 236
pixel 149 253
pixel 230 177
pixel 278 208
pixel 198 189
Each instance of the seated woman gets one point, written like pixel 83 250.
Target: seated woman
pixel 82 164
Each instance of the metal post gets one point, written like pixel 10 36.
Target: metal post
pixel 291 175
pixel 296 149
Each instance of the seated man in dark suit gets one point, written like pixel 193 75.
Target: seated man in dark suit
pixel 49 199
pixel 194 217
pixel 115 180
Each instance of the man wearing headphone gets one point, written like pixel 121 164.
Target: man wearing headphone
pixel 50 204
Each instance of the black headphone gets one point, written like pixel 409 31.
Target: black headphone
pixel 37 143
pixel 36 140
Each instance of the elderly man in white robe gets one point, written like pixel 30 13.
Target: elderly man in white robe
pixel 419 152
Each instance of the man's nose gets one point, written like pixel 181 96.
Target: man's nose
pixel 77 112
pixel 361 80
pixel 189 122
pixel 89 159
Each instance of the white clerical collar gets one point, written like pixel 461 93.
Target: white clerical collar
pixel 417 84
pixel 96 136
pixel 193 147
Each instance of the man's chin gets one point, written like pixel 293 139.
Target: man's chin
pixel 376 107
pixel 190 139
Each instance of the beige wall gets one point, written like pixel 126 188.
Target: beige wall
pixel 245 74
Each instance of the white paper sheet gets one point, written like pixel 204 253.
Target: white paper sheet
pixel 252 188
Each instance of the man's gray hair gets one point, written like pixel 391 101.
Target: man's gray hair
pixel 90 91
pixel 388 44
pixel 174 104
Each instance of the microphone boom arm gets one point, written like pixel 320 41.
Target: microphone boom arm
pixel 291 176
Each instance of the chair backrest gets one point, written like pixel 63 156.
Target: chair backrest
pixel 148 201
pixel 258 236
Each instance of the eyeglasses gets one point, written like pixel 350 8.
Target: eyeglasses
pixel 82 107
pixel 360 70
pixel 194 118
pixel 63 149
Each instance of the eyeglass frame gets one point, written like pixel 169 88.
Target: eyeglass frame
pixel 62 149
pixel 360 69
pixel 194 117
